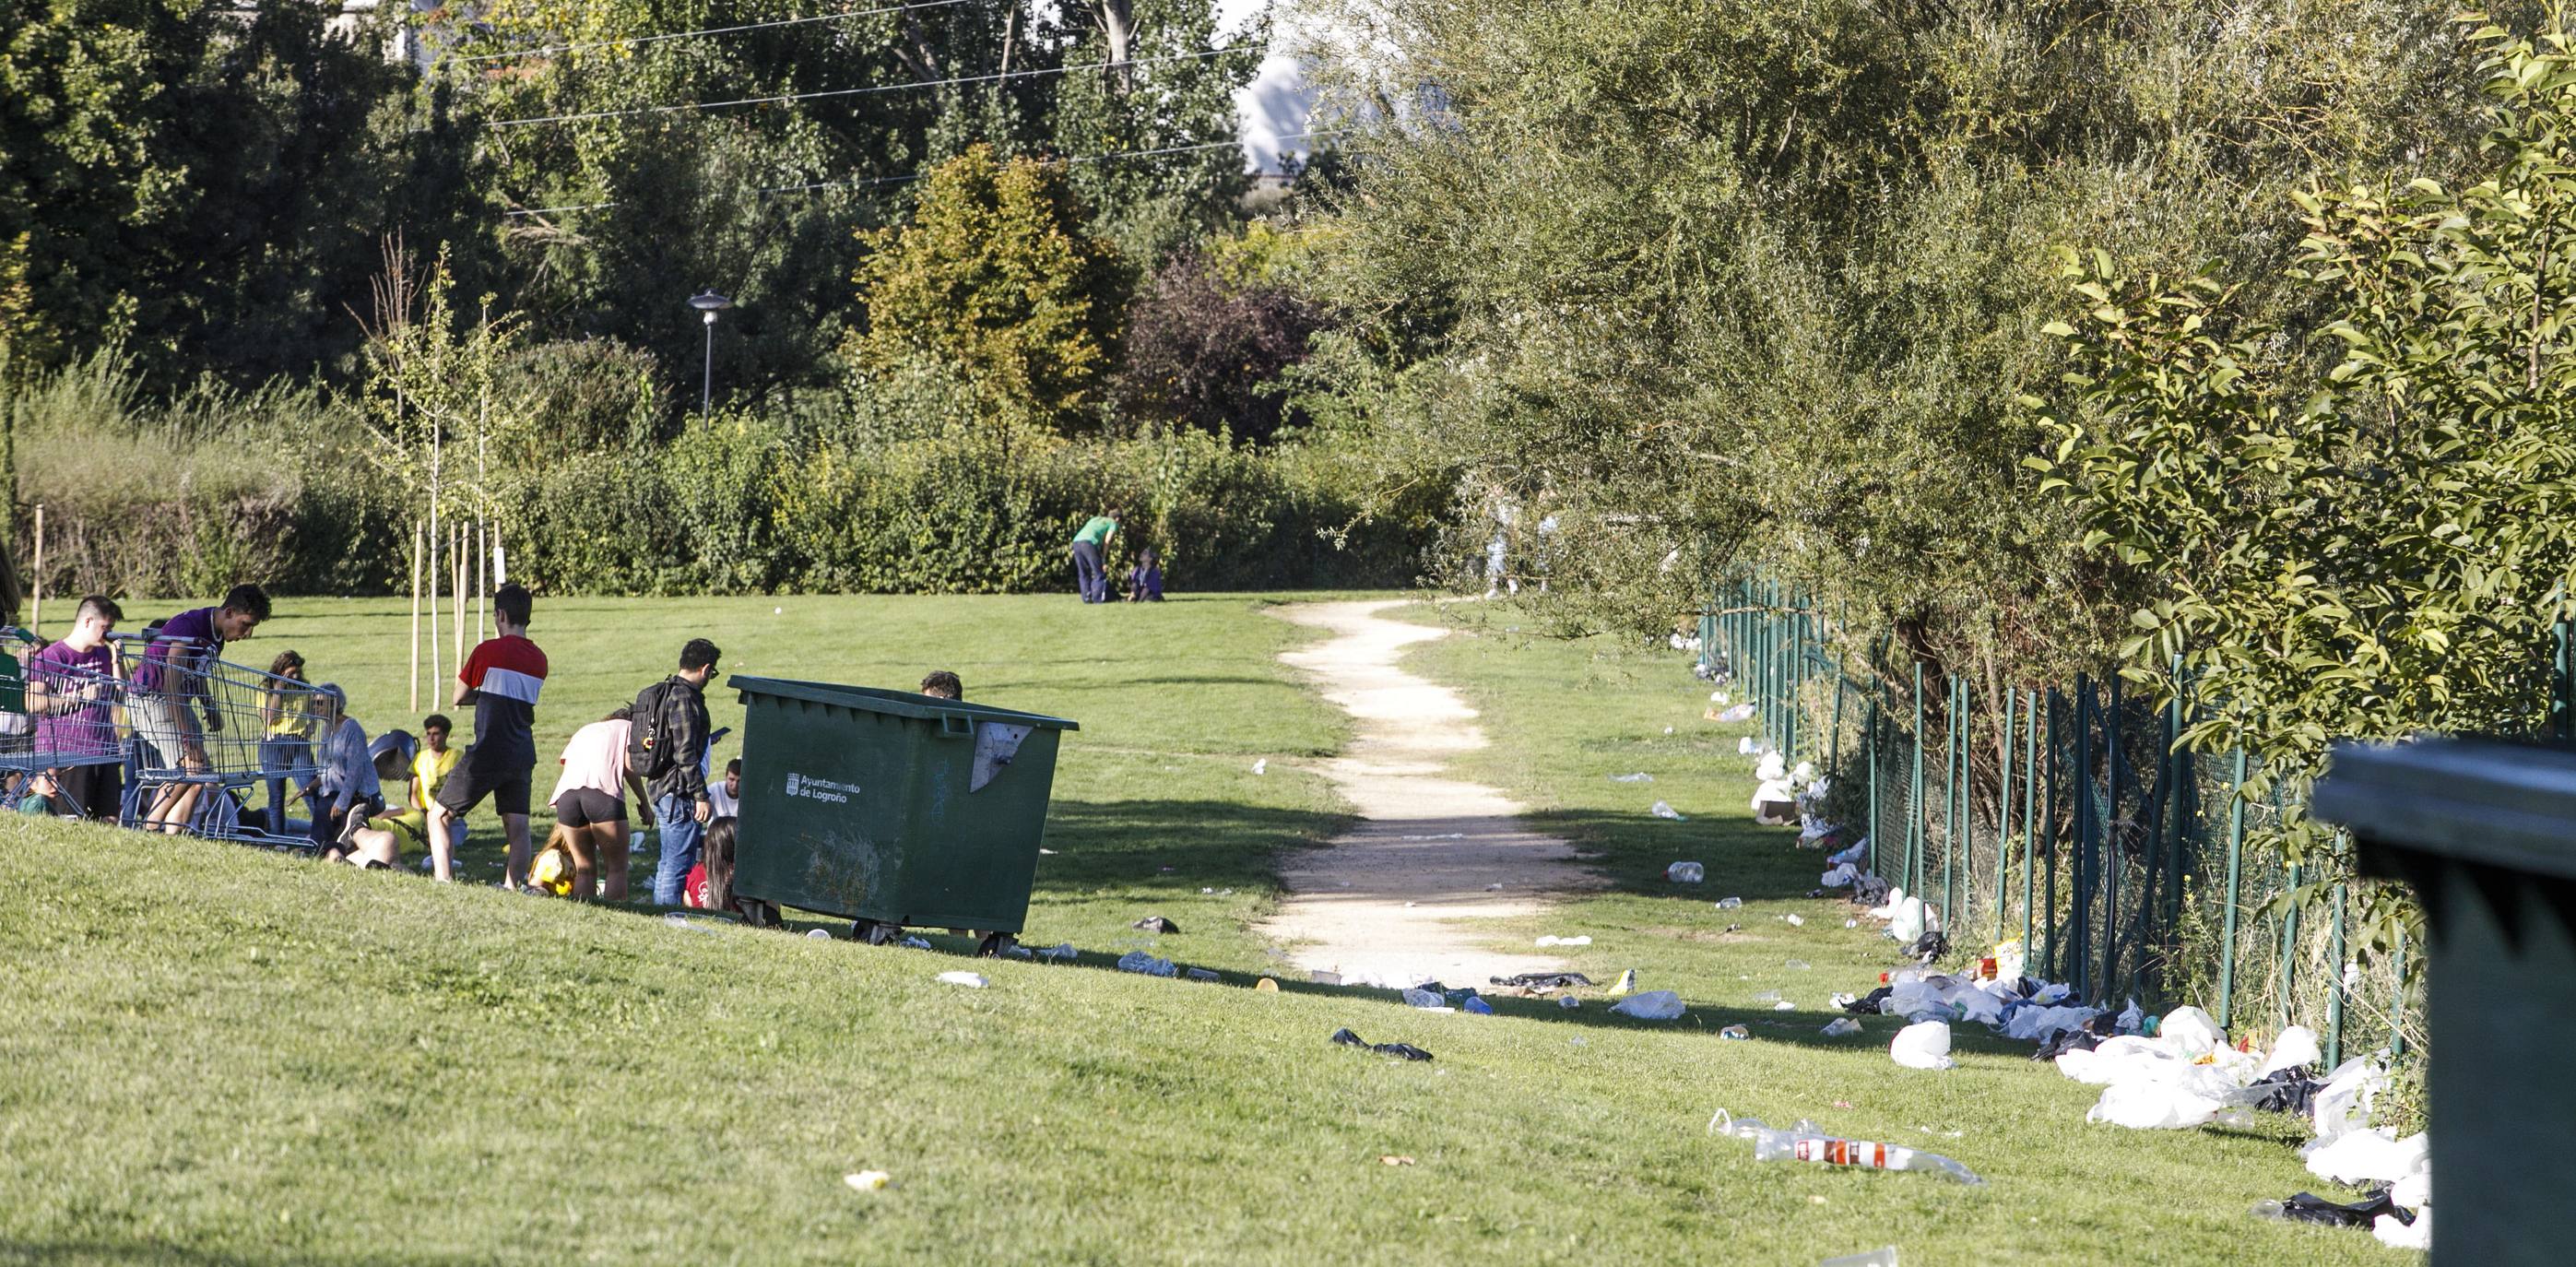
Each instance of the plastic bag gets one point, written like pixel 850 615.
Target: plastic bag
pixel 1685 872
pixel 2152 1106
pixel 1924 1045
pixel 1653 1005
pixel 2296 1046
pixel 1665 811
pixel 1838 877
pixel 1907 926
pixel 2344 1102
pixel 2192 1031
pixel 2366 1154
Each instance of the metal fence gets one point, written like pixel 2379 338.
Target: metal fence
pixel 2065 817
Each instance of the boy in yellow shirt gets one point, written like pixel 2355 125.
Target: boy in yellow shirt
pixel 429 771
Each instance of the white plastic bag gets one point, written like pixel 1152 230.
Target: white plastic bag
pixel 2192 1031
pixel 2396 1235
pixel 2132 1020
pixel 1925 1045
pixel 2366 1154
pixel 1664 811
pixel 2152 1106
pixel 2296 1046
pixel 1653 1005
pixel 1685 872
pixel 1907 926
pixel 2344 1102
pixel 1838 877
pixel 970 980
pixel 1770 767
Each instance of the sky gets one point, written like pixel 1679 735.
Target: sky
pixel 1275 104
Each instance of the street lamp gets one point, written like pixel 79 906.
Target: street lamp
pixel 708 303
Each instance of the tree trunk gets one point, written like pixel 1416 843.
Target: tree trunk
pixel 1117 22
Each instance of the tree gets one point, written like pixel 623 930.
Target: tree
pixel 2360 534
pixel 998 275
pixel 1207 343
pixel 1749 285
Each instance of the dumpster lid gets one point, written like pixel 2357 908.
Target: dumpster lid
pixel 896 703
pixel 2501 805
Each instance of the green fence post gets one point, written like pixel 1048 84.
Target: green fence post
pixel 2003 813
pixel 2335 986
pixel 2235 864
pixel 1914 802
pixel 2110 840
pixel 2029 802
pixel 2290 949
pixel 1871 731
pixel 2048 827
pixel 2079 908
pixel 1949 802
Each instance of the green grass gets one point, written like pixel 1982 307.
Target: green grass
pixel 218 1055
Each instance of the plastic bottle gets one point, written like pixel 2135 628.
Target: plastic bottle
pixel 1828 1151
pixel 1735 1032
pixel 1766 996
pixel 1729 903
pixel 1883 1256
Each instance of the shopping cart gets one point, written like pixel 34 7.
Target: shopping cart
pixel 53 718
pixel 206 738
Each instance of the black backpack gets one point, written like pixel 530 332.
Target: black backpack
pixel 648 755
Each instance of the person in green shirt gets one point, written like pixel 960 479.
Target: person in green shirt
pixel 1088 545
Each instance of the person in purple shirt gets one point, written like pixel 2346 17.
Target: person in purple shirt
pixel 71 689
pixel 170 681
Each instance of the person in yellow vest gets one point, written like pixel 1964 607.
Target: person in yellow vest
pixel 429 771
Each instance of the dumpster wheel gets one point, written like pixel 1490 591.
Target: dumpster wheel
pixel 996 945
pixel 758 914
pixel 874 933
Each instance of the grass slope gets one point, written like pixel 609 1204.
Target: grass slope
pixel 216 1055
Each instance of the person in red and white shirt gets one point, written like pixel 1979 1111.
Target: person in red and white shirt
pixel 501 680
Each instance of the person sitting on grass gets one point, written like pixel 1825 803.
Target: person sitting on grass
pixel 724 797
pixel 1145 580
pixel 373 844
pixel 424 771
pixel 942 684
pixel 590 805
pixel 710 883
pixel 41 797
pixel 345 791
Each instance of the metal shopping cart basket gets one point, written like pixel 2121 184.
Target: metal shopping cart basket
pixel 223 748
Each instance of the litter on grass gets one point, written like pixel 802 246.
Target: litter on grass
pixel 1553 940
pixel 1805 1141
pixel 1639 777
pixel 1139 961
pixel 1842 1027
pixel 1653 1005
pixel 1059 951
pixel 1662 810
pixel 868 1181
pixel 1923 1045
pixel 1156 924
pixel 1685 872
pixel 1401 1051
pixel 818 934
pixel 971 981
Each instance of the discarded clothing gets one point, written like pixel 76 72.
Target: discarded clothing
pixel 1545 980
pixel 1401 1051
pixel 2308 1207
pixel 1869 890
pixel 1868 1004
pixel 1930 947
pixel 1156 924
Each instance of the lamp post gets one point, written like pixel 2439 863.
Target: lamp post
pixel 708 303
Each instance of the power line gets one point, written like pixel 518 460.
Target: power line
pixel 1107 157
pixel 855 92
pixel 713 30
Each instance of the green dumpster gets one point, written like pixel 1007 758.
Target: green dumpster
pixel 890 809
pixel 2485 833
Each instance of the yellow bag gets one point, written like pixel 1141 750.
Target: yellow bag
pixel 552 871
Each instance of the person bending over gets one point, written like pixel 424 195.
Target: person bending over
pixel 590 805
pixel 170 688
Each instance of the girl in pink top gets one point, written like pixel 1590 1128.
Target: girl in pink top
pixel 590 806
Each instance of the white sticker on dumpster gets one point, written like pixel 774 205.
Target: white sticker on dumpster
pixel 813 789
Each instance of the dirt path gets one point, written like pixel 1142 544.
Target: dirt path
pixel 1399 897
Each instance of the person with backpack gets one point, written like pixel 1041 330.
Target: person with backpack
pixel 501 680
pixel 667 747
